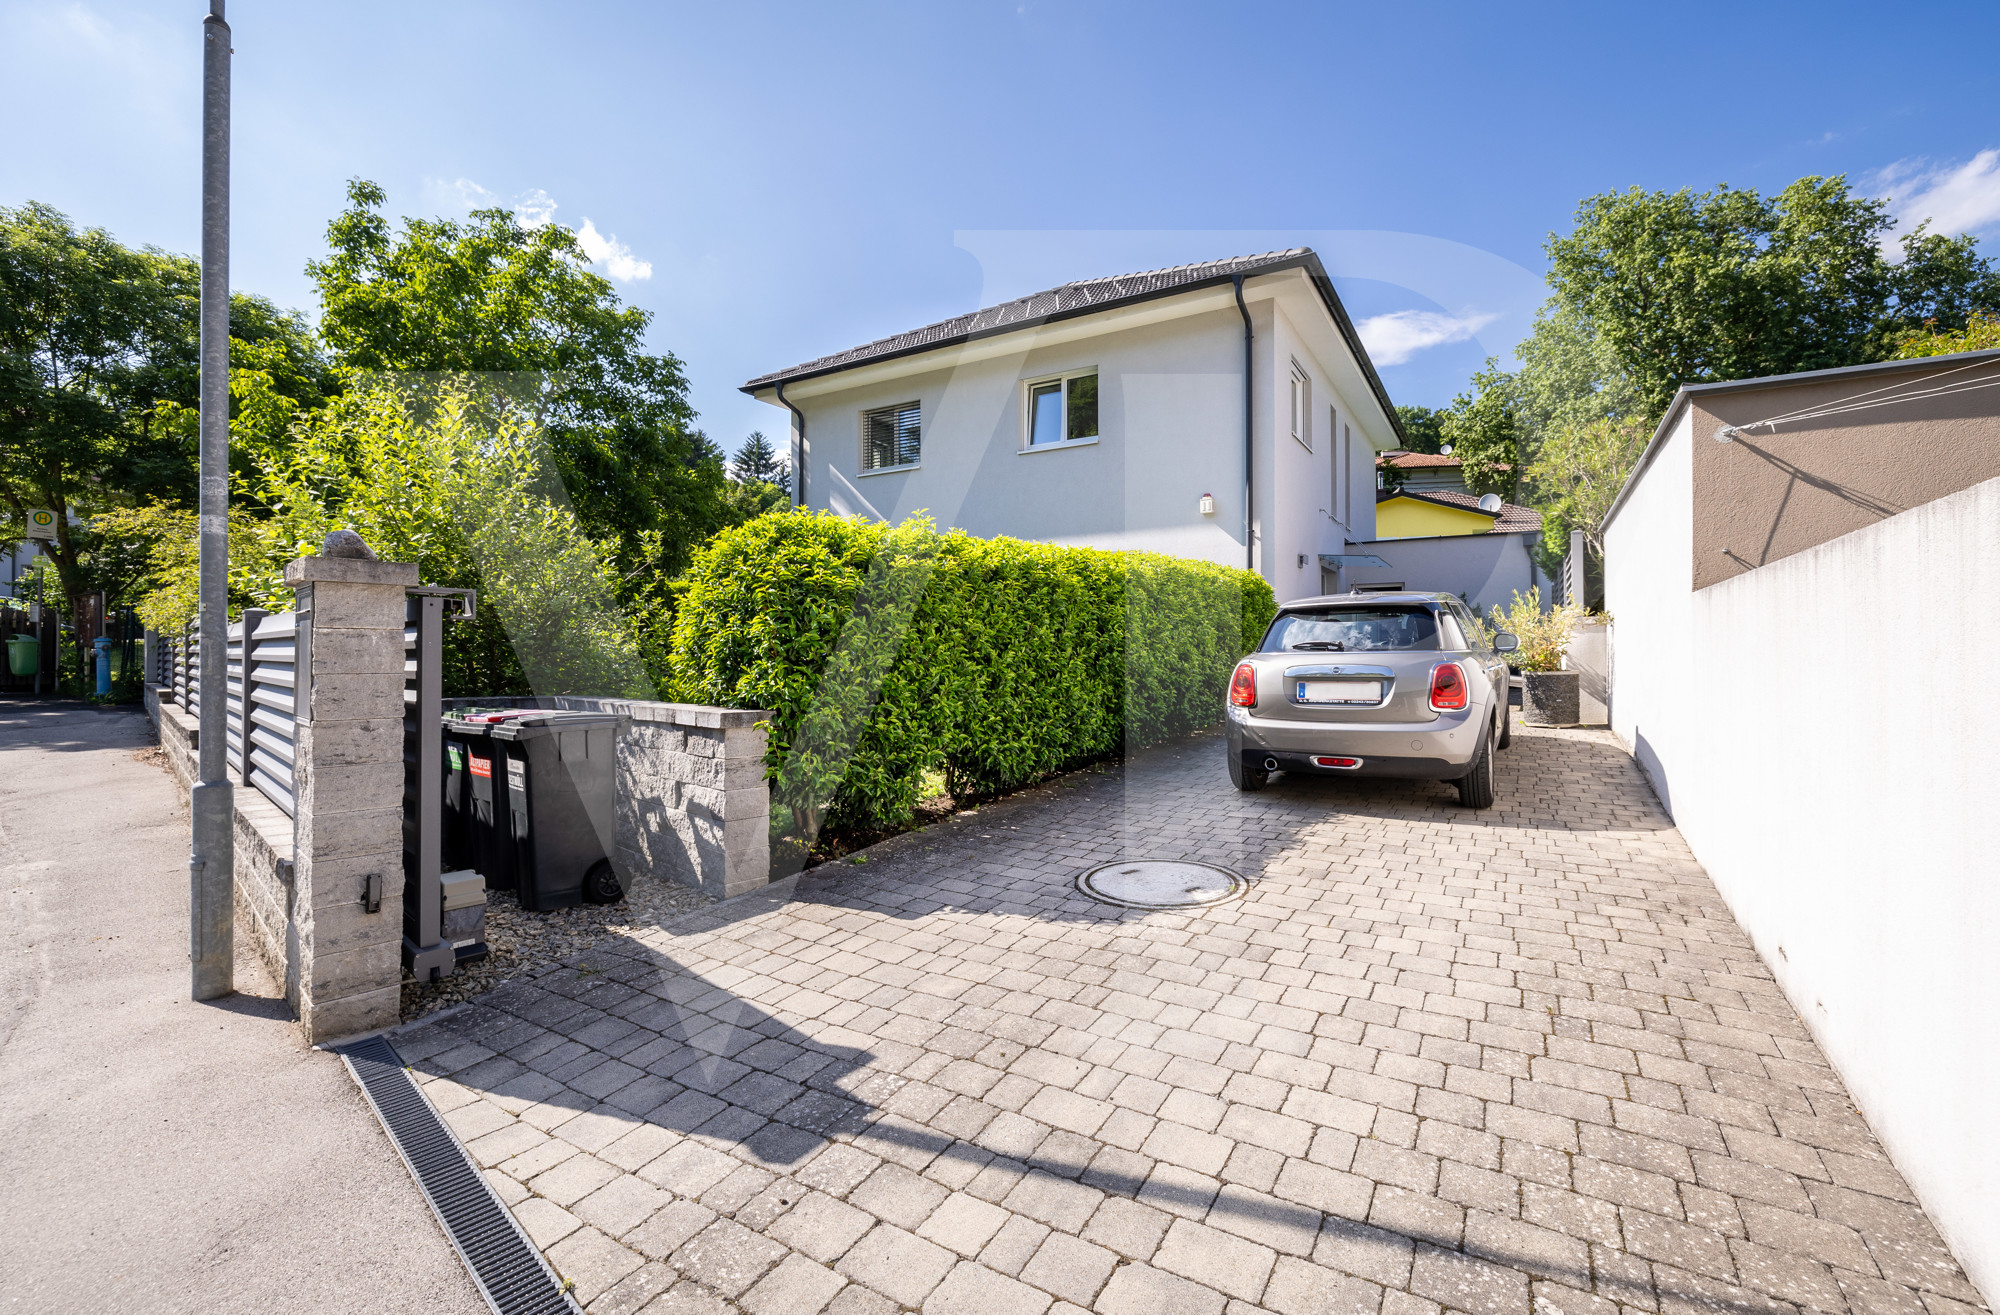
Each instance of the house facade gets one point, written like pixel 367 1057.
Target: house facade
pixel 1114 413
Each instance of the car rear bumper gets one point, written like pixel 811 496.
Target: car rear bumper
pixel 1440 750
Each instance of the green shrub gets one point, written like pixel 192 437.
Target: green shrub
pixel 885 652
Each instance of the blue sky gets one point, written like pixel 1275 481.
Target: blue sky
pixel 779 181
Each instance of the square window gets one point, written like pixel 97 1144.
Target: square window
pixel 891 437
pixel 1062 410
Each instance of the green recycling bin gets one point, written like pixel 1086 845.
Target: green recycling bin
pixel 24 652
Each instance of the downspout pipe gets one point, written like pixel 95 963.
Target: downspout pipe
pixel 798 449
pixel 1249 545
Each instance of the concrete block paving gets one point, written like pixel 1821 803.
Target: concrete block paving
pixel 1514 1062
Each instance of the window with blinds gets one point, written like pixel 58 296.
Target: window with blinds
pixel 891 437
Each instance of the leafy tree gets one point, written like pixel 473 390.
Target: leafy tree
pixel 99 382
pixel 1980 334
pixel 1484 430
pixel 1423 428
pixel 493 295
pixel 1576 475
pixel 1729 284
pixel 757 460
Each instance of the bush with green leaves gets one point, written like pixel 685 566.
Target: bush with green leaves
pixel 1544 633
pixel 885 652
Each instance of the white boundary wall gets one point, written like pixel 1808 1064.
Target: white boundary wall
pixel 1826 732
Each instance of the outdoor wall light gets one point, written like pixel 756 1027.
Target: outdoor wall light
pixel 1208 504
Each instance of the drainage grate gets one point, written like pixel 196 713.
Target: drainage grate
pixel 1149 883
pixel 511 1274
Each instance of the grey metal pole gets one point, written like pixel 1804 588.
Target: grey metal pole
pixel 212 866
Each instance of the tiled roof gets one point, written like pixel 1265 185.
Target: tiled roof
pixel 1512 519
pixel 1417 460
pixel 1082 298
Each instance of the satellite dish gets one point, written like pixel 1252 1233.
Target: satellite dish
pixel 1445 450
pixel 1491 502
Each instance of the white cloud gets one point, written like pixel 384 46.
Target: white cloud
pixel 1955 198
pixel 615 256
pixel 1394 338
pixel 535 207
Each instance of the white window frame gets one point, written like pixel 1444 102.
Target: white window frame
pixel 1028 387
pixel 861 428
pixel 1302 394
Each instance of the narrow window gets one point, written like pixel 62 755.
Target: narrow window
pixel 1082 407
pixel 1045 400
pixel 891 437
pixel 1339 484
pixel 1302 406
pixel 1062 410
pixel 1347 446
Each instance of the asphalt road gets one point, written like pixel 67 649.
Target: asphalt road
pixel 158 1154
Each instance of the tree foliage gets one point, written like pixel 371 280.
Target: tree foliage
pixel 1980 334
pixel 493 295
pixel 100 378
pixel 1652 290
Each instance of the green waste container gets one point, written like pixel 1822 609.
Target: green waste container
pixel 24 653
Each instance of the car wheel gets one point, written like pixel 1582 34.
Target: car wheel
pixel 1506 726
pixel 1246 778
pixel 601 884
pixel 1475 788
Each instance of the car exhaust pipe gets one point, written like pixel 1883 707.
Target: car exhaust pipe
pixel 1270 764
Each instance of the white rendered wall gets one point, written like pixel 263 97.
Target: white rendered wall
pixel 1485 569
pixel 1170 426
pixel 1648 583
pixel 1829 748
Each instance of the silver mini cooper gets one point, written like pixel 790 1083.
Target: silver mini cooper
pixel 1373 685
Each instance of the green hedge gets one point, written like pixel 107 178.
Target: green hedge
pixel 886 651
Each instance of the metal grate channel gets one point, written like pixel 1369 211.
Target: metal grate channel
pixel 511 1274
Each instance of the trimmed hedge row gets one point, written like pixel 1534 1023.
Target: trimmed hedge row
pixel 888 651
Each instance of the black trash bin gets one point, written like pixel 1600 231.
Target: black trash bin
pixel 560 787
pixel 475 820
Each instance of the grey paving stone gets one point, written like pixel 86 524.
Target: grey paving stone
pixel 973 1289
pixel 1143 1290
pixel 897 1264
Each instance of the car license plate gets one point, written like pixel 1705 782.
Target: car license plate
pixel 1340 691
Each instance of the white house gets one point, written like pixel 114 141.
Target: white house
pixel 1114 412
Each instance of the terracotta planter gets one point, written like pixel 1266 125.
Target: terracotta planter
pixel 1551 698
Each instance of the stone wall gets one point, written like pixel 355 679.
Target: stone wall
pixel 263 840
pixel 693 805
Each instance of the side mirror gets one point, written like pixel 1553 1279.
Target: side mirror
pixel 1505 643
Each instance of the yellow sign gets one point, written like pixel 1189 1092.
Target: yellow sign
pixel 41 524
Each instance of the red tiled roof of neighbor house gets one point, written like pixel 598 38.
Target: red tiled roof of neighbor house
pixel 1511 520
pixel 1417 460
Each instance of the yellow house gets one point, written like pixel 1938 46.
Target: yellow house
pixel 1426 516
pixel 1446 513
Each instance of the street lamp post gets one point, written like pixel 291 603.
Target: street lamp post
pixel 212 864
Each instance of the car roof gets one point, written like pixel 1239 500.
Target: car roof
pixel 1323 600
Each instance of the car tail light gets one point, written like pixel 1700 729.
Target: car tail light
pixel 1243 686
pixel 1449 690
pixel 1333 760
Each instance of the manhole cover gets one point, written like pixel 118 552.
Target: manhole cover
pixel 1158 884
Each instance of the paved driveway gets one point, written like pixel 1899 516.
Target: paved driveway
pixel 1504 1062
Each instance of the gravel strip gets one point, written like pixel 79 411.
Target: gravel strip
pixel 527 944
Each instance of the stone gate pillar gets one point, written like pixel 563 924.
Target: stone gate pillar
pixel 347 900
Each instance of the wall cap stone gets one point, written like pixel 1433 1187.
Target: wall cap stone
pixel 349 570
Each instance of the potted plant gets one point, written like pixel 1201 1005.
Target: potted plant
pixel 1550 696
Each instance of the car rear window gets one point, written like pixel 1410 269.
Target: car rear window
pixel 1354 630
